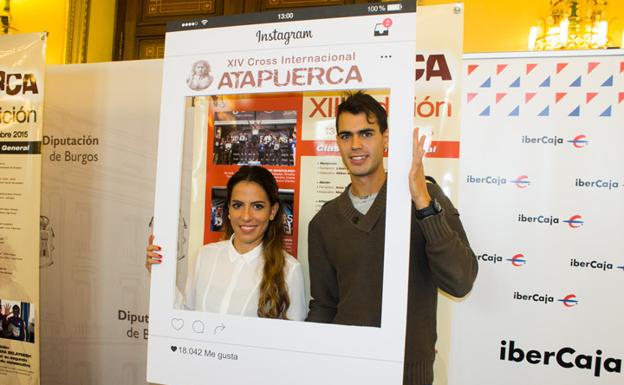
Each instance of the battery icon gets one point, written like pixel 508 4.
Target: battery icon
pixel 394 7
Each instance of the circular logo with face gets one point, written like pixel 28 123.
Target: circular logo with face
pixel 199 78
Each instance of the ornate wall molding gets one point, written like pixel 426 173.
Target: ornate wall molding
pixel 77 31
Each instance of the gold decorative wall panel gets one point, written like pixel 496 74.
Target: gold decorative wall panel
pixel 164 8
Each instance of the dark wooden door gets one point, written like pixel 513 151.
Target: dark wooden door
pixel 140 24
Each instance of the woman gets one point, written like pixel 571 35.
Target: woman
pixel 249 273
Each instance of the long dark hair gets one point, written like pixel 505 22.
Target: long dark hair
pixel 273 299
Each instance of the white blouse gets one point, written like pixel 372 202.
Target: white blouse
pixel 225 282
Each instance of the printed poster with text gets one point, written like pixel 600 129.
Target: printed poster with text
pixel 22 59
pixel 264 92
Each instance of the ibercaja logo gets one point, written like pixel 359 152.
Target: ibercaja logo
pixel 520 182
pixel 200 76
pixel 594 264
pixel 568 301
pixel 565 357
pixel 575 221
pixel 516 261
pixel 597 184
pixel 578 141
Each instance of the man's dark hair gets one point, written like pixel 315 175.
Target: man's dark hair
pixel 360 102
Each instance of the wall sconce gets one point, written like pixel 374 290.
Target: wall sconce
pixel 570 26
pixel 5 17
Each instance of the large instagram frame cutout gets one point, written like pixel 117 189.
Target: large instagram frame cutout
pixel 190 347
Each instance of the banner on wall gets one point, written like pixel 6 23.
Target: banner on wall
pixel 22 61
pixel 541 197
pixel 254 101
pixel 99 161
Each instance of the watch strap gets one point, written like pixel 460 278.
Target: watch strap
pixel 433 209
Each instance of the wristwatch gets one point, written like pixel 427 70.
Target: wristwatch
pixel 433 209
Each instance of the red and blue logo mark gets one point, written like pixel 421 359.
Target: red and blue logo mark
pixel 569 300
pixel 579 141
pixel 522 181
pixel 575 221
pixel 517 260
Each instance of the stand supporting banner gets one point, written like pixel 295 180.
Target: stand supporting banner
pixel 22 60
pixel 99 159
pixel 542 183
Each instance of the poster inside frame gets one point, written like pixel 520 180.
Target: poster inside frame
pixel 266 54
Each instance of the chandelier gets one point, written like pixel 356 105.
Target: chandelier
pixel 572 26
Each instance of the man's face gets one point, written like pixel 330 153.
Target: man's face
pixel 361 143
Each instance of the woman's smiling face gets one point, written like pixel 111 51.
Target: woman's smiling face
pixel 249 211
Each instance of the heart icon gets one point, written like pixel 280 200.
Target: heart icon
pixel 177 323
pixel 174 348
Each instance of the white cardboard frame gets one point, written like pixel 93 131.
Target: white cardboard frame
pixel 276 351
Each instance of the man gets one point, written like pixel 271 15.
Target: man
pixel 16 324
pixel 4 325
pixel 346 241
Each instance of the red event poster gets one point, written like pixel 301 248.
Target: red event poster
pixel 253 129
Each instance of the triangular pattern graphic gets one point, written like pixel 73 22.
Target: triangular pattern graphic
pixel 545 112
pixel 471 95
pixel 561 66
pixel 487 83
pixel 576 111
pixel 590 96
pixel 620 97
pixel 472 67
pixel 515 84
pixel 577 82
pixel 515 112
pixel 608 82
pixel 606 112
pixel 485 112
pixel 530 67
pixel 528 96
pixel 591 66
pixel 500 96
pixel 546 82
pixel 500 68
pixel 559 96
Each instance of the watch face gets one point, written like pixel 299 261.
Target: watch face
pixel 436 206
